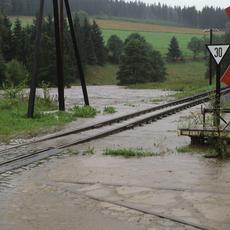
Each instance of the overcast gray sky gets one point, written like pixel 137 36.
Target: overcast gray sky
pixel 198 3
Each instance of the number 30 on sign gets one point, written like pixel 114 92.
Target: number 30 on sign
pixel 218 52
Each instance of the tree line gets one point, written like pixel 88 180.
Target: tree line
pixel 208 17
pixel 17 46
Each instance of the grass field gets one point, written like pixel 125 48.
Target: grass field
pixel 159 40
pixel 186 78
pixel 146 27
pixel 157 35
pixel 101 75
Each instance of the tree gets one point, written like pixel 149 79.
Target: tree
pixel 115 48
pixel 98 42
pixel 174 53
pixel 140 63
pixel 47 69
pixel 196 45
pixel 17 40
pixel 2 70
pixel 88 46
pixel 16 73
pixel 134 36
pixel 6 39
pixel 158 66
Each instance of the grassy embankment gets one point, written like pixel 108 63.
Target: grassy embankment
pixel 15 124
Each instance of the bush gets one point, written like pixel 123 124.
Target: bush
pixel 16 73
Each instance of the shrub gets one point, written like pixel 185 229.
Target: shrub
pixel 16 73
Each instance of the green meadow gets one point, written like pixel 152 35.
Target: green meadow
pixel 159 40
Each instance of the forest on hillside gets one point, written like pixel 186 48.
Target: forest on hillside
pixel 208 17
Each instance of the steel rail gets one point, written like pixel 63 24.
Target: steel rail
pixel 131 125
pixel 118 119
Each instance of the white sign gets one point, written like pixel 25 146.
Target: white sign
pixel 218 52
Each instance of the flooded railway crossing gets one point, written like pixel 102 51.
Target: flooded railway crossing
pixel 84 191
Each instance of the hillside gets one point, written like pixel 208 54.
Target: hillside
pixel 146 27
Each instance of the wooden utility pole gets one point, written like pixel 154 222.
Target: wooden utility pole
pixel 77 53
pixel 58 11
pixel 59 54
pixel 36 62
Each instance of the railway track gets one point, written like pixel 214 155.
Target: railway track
pixel 21 155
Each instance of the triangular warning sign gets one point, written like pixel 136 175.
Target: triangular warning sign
pixel 226 77
pixel 218 52
pixel 227 10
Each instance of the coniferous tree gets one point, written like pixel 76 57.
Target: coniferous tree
pixel 158 66
pixel 206 18
pixel 18 40
pixel 174 53
pixel 2 70
pixel 6 39
pixel 48 72
pixel 88 47
pixel 140 63
pixel 98 42
pixel 70 73
pixel 115 48
pixel 79 36
pixel 135 63
pixel 27 49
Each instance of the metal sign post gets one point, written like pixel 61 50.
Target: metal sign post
pixel 210 58
pixel 218 52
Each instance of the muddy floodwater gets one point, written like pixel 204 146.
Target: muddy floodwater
pixel 90 191
pixel 118 96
